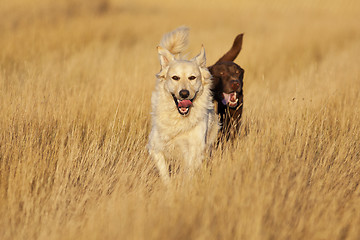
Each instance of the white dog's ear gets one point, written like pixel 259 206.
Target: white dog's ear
pixel 165 57
pixel 201 58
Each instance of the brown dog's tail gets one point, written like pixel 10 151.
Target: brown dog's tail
pixel 234 50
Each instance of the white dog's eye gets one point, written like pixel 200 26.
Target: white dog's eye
pixel 191 77
pixel 175 78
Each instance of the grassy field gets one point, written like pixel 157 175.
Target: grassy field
pixel 76 79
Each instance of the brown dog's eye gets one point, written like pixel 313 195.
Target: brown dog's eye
pixel 175 78
pixel 191 77
pixel 237 71
pixel 221 73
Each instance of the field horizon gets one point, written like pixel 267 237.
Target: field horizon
pixel 76 79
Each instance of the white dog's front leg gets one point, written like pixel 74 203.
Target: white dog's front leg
pixel 160 162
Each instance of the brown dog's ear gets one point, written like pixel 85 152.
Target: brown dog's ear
pixel 234 50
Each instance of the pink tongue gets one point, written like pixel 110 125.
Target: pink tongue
pixel 232 97
pixel 185 103
pixel 226 98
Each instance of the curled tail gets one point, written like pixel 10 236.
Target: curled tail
pixel 176 41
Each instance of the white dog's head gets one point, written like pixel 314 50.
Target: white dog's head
pixel 183 79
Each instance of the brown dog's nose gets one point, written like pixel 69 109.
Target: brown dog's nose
pixel 184 93
pixel 234 85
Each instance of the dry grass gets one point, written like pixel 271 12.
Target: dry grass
pixel 75 84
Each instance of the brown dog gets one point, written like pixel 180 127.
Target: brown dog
pixel 228 89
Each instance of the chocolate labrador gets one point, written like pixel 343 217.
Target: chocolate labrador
pixel 228 89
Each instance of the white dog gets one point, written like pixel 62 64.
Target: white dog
pixel 184 124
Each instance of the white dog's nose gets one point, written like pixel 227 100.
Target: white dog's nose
pixel 184 93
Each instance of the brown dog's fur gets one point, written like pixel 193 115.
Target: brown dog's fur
pixel 228 79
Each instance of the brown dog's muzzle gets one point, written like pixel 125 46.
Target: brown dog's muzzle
pixel 234 84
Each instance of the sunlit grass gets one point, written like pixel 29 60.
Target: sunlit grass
pixel 76 79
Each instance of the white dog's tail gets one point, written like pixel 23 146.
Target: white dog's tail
pixel 176 41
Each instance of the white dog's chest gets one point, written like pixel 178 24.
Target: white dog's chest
pixel 180 144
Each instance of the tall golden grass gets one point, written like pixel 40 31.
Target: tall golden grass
pixel 75 84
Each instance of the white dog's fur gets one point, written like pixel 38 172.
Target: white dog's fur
pixel 174 136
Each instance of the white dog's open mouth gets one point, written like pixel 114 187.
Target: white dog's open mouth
pixel 183 106
pixel 230 99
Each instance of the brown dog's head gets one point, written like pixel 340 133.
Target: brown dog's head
pixel 227 83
